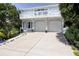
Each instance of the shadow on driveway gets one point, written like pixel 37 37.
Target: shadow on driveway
pixel 61 38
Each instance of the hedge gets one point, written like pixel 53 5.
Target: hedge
pixel 72 35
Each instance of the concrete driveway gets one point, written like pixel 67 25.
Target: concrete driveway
pixel 37 44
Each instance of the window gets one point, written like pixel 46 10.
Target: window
pixel 41 12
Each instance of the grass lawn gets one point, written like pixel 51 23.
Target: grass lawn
pixel 75 50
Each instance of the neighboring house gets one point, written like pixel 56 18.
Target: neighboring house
pixel 42 18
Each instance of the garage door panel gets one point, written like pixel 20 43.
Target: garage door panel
pixel 40 26
pixel 54 26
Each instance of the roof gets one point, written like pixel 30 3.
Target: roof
pixel 46 6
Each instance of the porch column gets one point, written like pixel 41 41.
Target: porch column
pixel 24 25
pixel 33 25
pixel 62 24
pixel 46 25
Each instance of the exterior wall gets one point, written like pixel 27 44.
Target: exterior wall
pixel 42 24
pixel 43 11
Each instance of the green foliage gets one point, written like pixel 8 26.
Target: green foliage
pixel 73 47
pixel 2 30
pixel 13 32
pixel 69 12
pixel 72 35
pixel 9 14
pixel 76 52
pixel 2 35
pixel 9 19
pixel 9 34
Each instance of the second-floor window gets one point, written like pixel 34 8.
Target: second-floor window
pixel 41 12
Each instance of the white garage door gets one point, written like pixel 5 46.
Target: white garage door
pixel 40 26
pixel 54 26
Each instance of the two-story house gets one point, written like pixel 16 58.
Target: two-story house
pixel 42 18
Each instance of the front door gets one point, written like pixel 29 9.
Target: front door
pixel 29 26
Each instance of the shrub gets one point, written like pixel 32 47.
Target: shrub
pixel 76 44
pixel 2 35
pixel 13 32
pixel 76 52
pixel 72 35
pixel 73 47
pixel 2 30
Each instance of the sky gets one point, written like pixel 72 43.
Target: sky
pixel 28 5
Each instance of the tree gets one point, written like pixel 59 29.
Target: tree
pixel 70 13
pixel 9 17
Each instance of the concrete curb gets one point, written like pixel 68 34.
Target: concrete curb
pixel 12 39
